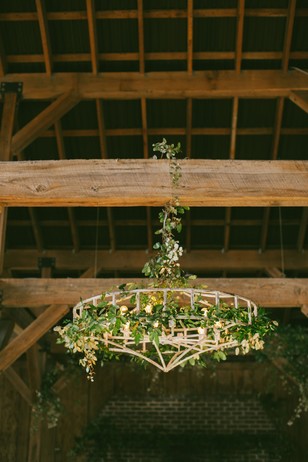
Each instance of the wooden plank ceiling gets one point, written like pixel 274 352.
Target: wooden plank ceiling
pixel 100 85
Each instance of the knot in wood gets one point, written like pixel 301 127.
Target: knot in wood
pixel 40 188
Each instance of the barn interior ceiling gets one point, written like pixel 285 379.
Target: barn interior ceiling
pixel 86 89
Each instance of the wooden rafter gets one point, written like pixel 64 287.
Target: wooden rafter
pixel 300 98
pixel 70 210
pixel 302 230
pixel 3 59
pixel 268 292
pixel 238 62
pixel 157 13
pixel 104 155
pixel 32 333
pixel 146 155
pixel 27 134
pixel 43 24
pixel 19 384
pixel 92 35
pixel 121 85
pixel 189 116
pixel 147 182
pixel 37 231
pixel 190 49
pixel 176 131
pixel 154 56
pixel 288 34
pixel 133 260
pixel 239 34
pixel 141 37
pixel 274 155
pixel 227 229
pixel 7 127
pixel 264 229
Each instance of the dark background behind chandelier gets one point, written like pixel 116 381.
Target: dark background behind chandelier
pixel 236 412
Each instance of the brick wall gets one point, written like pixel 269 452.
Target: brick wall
pixel 225 415
pixel 225 428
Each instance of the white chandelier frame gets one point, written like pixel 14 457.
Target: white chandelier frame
pixel 185 343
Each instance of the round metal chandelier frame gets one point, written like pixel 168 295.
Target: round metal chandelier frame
pixel 177 343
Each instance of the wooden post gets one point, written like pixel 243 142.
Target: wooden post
pixel 10 93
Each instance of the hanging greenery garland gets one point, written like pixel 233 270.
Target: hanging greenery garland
pixel 167 323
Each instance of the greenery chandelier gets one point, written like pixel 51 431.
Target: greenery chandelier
pixel 168 322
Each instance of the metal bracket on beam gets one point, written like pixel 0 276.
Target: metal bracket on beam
pixel 11 87
pixel 46 262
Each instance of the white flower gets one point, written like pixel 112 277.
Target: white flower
pixel 204 310
pixel 156 324
pixel 148 309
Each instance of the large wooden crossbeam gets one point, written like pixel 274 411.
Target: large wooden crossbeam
pixel 133 260
pixel 90 183
pixel 275 293
pixel 200 84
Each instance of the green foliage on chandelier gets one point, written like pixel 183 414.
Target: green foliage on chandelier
pixel 86 334
pixel 155 315
pixel 165 266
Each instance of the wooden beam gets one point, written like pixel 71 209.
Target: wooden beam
pixel 7 128
pixel 91 183
pixel 268 292
pixel 3 222
pixel 190 28
pixel 37 231
pixel 7 125
pixel 156 56
pixel 288 34
pixel 43 24
pixel 133 260
pixel 3 59
pixel 166 13
pixel 19 384
pixel 31 335
pixel 239 34
pixel 92 35
pixel 70 210
pixel 201 84
pixel 44 120
pixel 141 36
pixel 302 230
pixel 274 272
pixel 300 98
pixel 178 131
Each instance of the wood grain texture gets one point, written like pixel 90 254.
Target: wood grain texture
pixel 31 335
pixel 44 120
pixel 133 260
pixel 91 183
pixel 278 292
pixel 300 98
pixel 256 83
pixel 19 384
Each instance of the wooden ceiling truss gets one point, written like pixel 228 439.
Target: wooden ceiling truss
pixel 108 182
